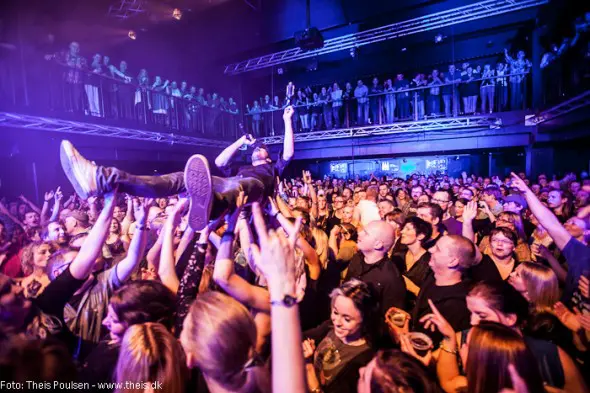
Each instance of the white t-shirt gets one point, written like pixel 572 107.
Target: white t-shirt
pixel 368 211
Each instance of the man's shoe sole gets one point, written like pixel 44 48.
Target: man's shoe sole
pixel 67 155
pixel 197 180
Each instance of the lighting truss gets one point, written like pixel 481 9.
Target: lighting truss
pixel 471 12
pixel 125 9
pixel 37 123
pixel 395 128
pixel 565 107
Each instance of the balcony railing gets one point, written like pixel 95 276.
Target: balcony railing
pixel 60 91
pixel 483 96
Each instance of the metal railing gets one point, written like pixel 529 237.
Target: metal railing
pixel 502 93
pixel 58 90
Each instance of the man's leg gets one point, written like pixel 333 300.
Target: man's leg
pixel 89 179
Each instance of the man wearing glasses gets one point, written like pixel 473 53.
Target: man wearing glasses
pixel 336 214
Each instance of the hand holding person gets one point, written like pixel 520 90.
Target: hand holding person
pixel 275 257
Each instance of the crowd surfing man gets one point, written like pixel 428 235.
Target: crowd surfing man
pixel 210 196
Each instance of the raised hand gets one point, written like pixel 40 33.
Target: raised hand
pixel 518 183
pixel 92 200
pixel 178 211
pixel 58 195
pixel 234 216
pixel 436 320
pixel 140 210
pixel 49 195
pixel 307 177
pixel 470 211
pixel 272 208
pixel 247 139
pixel 288 112
pixel 308 349
pixel 275 256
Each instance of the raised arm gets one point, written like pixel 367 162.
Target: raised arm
pixel 276 256
pixel 166 270
pixel 288 141
pixel 137 246
pixel 33 207
pixel 45 209
pixel 546 218
pixel 82 265
pixel 7 213
pixel 227 154
pixel 312 194
pixel 224 274
pixel 56 205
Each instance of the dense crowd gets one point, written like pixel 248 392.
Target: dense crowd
pixel 426 284
pixel 102 89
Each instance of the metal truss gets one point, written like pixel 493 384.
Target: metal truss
pixel 471 12
pixel 565 107
pixel 38 123
pixel 125 9
pixel 395 128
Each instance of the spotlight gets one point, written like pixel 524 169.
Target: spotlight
pixel 353 52
pixel 177 14
pixel 404 49
pixel 438 38
pixel 280 70
pixel 132 34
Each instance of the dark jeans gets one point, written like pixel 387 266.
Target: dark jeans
pixel 225 190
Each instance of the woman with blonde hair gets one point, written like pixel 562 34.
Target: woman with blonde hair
pixel 219 338
pixel 150 360
pixel 537 283
pixel 34 265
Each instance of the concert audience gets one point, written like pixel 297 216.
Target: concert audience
pixel 430 283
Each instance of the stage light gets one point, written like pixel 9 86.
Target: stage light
pixel 353 52
pixel 132 34
pixel 280 70
pixel 177 14
pixel 438 38
pixel 404 49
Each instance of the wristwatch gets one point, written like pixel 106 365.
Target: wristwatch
pixel 286 301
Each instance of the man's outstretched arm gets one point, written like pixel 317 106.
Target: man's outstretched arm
pixel 288 142
pixel 226 155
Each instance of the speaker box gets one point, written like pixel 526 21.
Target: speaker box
pixel 309 39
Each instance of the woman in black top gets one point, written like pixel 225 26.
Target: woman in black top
pixel 344 343
pixel 413 263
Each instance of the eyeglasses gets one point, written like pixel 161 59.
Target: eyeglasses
pixel 501 241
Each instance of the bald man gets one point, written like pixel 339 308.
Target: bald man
pixel 451 256
pixel 372 265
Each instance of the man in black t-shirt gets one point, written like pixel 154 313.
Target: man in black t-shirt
pixel 210 195
pixel 450 257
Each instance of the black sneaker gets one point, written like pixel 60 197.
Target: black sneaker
pixel 197 180
pixel 80 172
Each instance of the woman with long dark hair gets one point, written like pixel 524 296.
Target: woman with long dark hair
pixel 134 303
pixel 500 303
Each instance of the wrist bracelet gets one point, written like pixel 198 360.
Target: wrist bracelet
pixel 442 346
pixel 140 227
pixel 276 214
